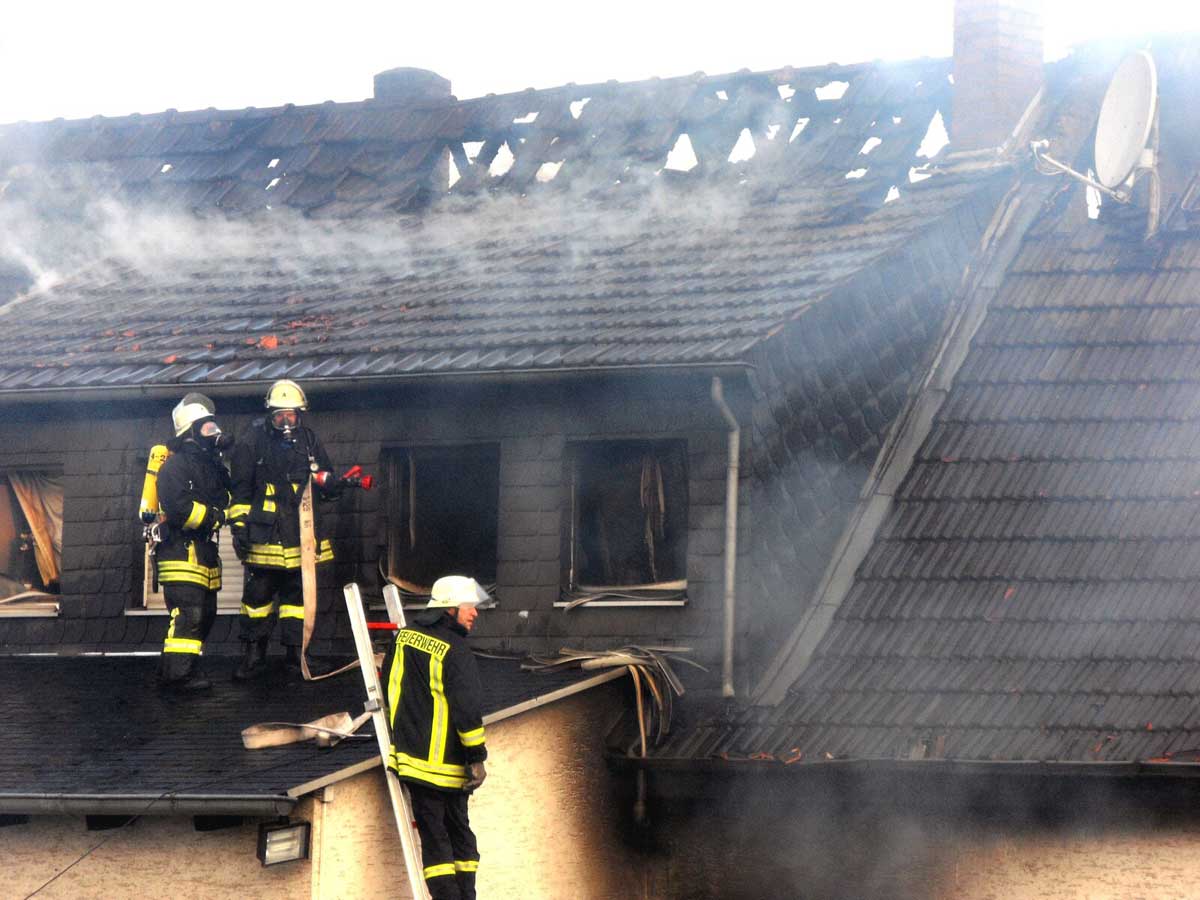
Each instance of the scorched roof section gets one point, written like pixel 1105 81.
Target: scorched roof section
pixel 211 248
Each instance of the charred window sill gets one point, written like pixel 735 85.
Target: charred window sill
pixel 572 604
pixel 29 611
pixel 163 611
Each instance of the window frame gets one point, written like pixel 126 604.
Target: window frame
pixel 397 513
pixel 40 608
pixel 572 593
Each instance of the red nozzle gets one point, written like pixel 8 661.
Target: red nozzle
pixel 367 482
pixel 352 472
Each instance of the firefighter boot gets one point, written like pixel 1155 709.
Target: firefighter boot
pixel 254 661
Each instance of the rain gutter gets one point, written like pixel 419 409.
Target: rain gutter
pixel 146 804
pixel 715 767
pixel 92 393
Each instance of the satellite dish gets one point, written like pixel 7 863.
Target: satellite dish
pixel 1126 119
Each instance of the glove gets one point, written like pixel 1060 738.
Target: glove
pixel 218 516
pixel 476 774
pixel 241 541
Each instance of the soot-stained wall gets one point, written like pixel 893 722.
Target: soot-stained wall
pixel 100 449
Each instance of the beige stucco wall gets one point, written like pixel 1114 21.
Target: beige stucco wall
pixel 1158 864
pixel 157 856
pixel 545 820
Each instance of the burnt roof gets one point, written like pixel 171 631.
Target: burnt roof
pixel 149 743
pixel 1030 595
pixel 600 267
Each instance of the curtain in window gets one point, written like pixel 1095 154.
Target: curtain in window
pixel 41 499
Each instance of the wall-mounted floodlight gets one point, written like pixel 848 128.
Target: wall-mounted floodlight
pixel 282 842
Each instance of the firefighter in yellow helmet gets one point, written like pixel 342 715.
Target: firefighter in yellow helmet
pixel 269 468
pixel 435 702
pixel 193 492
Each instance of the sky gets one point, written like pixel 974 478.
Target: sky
pixel 78 59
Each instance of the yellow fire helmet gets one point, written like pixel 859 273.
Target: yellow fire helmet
pixel 456 590
pixel 286 394
pixel 191 408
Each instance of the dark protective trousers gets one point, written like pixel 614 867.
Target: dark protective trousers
pixel 193 611
pixel 448 850
pixel 260 610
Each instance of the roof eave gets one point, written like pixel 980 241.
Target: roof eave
pixel 759 768
pixel 251 805
pixel 241 388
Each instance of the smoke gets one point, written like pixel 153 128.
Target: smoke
pixel 51 229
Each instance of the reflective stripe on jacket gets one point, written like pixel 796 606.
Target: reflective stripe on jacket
pixel 268 475
pixel 435 705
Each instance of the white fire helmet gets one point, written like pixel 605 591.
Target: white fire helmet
pixel 286 394
pixel 191 408
pixel 450 591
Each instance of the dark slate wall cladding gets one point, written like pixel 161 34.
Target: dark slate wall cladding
pixel 831 384
pixel 102 463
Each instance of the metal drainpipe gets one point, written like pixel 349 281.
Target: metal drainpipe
pixel 731 508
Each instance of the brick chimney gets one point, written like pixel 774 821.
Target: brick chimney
pixel 997 68
pixel 415 87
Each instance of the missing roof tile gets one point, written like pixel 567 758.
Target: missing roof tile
pixel 682 157
pixel 833 90
pixel 578 105
pixel 274 181
pixel 455 175
pixel 786 91
pixel 166 167
pixel 548 170
pixel 856 173
pixel 801 124
pixel 502 162
pixel 935 137
pixel 870 144
pixel 892 194
pixel 471 149
pixel 527 119
pixel 273 163
pixel 721 95
pixel 744 149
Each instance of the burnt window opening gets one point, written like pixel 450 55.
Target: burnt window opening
pixel 629 514
pixel 31 519
pixel 443 515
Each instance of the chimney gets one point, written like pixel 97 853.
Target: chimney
pixel 412 87
pixel 997 69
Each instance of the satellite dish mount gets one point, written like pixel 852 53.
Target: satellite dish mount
pixel 1126 136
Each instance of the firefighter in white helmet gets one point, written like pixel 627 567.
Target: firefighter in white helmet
pixel 269 468
pixel 435 702
pixel 193 493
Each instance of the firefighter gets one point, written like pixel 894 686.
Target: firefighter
pixel 193 492
pixel 270 467
pixel 435 704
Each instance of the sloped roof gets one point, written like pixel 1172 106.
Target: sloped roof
pixel 504 274
pixel 347 160
pixel 1031 594
pixel 150 744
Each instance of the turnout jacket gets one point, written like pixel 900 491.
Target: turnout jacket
pixel 435 705
pixel 193 491
pixel 268 475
